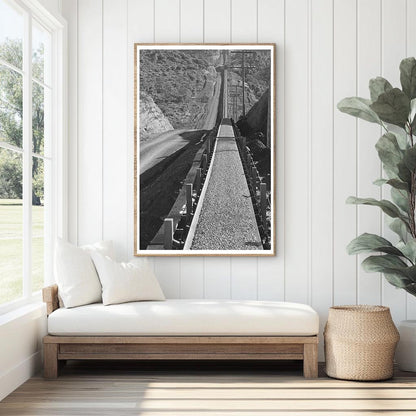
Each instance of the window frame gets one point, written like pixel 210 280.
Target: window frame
pixel 58 226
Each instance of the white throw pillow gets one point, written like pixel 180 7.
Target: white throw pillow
pixel 104 247
pixel 75 273
pixel 126 282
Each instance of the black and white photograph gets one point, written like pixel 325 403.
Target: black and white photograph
pixel 204 149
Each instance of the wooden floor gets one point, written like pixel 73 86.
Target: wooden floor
pixel 114 388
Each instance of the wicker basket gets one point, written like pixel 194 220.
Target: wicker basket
pixel 360 342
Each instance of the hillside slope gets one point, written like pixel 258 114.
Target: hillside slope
pixel 181 83
pixel 256 119
pixel 152 120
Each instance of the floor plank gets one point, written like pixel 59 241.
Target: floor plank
pixel 226 389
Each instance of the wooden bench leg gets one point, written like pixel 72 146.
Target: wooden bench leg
pixel 310 360
pixel 50 360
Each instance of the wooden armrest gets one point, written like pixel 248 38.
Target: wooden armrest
pixel 50 297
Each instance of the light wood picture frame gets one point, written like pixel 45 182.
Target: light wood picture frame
pixel 205 150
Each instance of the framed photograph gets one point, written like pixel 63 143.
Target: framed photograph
pixel 204 150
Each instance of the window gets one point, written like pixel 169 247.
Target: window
pixel 31 136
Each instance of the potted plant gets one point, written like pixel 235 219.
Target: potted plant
pixel 394 109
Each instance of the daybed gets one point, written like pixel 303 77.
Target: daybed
pixel 181 329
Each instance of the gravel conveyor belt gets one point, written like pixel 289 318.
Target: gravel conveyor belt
pixel 226 220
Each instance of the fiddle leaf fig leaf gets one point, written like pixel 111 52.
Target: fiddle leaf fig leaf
pixel 378 86
pixel 402 139
pixel 381 263
pixel 408 77
pixel 389 151
pixel 388 207
pixel 408 249
pixel 404 172
pixel 398 184
pixel 395 183
pixel 400 198
pixel 410 272
pixel 411 289
pixel 392 107
pixel 359 107
pixel 400 228
pixel 397 280
pixel 414 126
pixel 380 182
pixel 410 158
pixel 366 243
pixel 390 173
pixel 412 109
pixel 395 270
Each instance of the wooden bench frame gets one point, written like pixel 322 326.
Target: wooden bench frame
pixel 58 349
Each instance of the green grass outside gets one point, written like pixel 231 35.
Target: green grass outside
pixel 11 249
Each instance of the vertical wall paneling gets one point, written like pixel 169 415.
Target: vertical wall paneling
pixel 393 51
pixel 114 124
pixel 296 152
pixel 168 272
pixel 244 278
pixel 217 278
pixel 411 51
pixel 217 21
pixel 345 151
pixel 192 21
pixel 167 30
pixel 90 183
pixel 244 29
pixel 192 30
pixel 192 277
pixel 217 26
pixel 140 30
pixel 271 28
pixel 244 21
pixel 368 163
pixel 70 11
pixel 167 21
pixel 321 148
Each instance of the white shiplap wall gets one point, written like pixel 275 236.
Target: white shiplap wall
pixel 326 50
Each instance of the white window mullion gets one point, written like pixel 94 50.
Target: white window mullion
pixel 27 157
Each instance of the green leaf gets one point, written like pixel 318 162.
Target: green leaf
pixel 395 183
pixel 412 109
pixel 359 107
pixel 412 115
pixel 390 173
pixel 392 107
pixel 400 198
pixel 400 228
pixel 410 272
pixel 380 182
pixel 389 151
pixel 366 243
pixel 408 77
pixel 378 86
pixel 408 249
pixel 401 139
pixel 411 289
pixel 381 263
pixel 404 173
pixel 397 280
pixel 395 270
pixel 410 158
pixel 398 184
pixel 388 207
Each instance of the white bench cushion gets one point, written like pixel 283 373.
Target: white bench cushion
pixel 186 317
